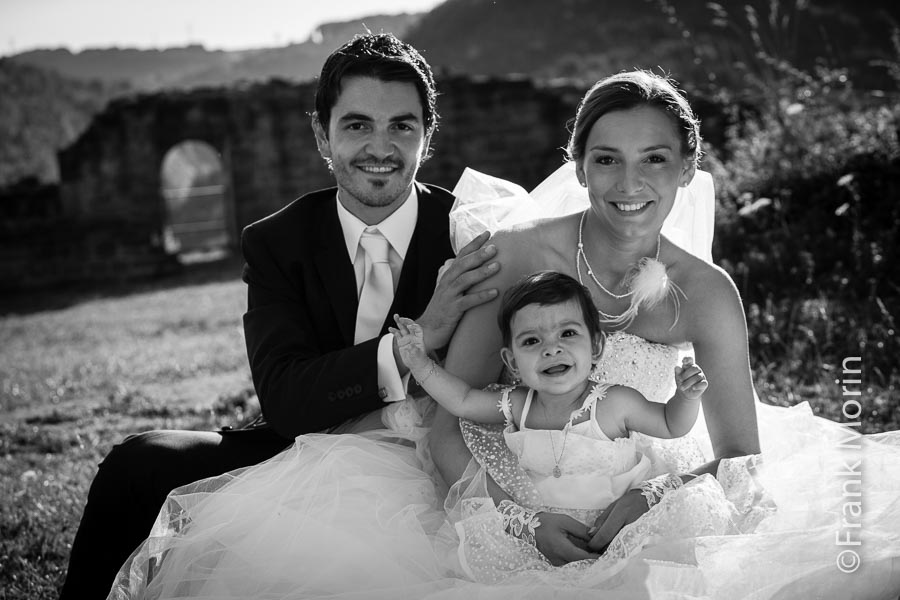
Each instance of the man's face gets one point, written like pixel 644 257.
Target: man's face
pixel 375 142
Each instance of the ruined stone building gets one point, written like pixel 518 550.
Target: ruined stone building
pixel 128 207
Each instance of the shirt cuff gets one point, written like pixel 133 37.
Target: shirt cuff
pixel 392 387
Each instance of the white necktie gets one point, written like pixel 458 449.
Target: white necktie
pixel 378 286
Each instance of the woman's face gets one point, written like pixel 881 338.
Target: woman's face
pixel 633 165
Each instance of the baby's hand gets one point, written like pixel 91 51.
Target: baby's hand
pixel 410 342
pixel 690 379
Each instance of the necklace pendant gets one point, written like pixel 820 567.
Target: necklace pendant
pixel 557 472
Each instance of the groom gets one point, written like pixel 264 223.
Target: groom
pixel 324 275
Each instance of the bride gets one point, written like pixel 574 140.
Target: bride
pixel 787 505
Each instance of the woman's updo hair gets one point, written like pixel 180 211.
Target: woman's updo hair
pixel 634 89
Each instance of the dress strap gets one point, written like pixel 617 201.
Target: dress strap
pixel 526 408
pixel 505 406
pixel 597 393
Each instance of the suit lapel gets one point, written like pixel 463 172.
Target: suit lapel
pixel 428 248
pixel 335 271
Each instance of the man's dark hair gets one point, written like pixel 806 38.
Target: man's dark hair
pixel 381 56
pixel 544 288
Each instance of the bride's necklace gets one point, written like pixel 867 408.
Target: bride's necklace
pixel 581 256
pixel 647 283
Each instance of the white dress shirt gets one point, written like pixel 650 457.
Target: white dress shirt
pixel 398 230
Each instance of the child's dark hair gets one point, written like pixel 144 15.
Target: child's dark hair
pixel 543 288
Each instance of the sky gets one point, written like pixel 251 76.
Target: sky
pixel 217 24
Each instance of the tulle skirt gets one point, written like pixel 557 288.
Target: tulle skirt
pixel 816 515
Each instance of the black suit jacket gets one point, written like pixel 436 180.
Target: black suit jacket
pixel 299 325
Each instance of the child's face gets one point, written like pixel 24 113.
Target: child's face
pixel 551 347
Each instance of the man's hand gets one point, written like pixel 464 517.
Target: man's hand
pixel 562 539
pixel 450 300
pixel 627 509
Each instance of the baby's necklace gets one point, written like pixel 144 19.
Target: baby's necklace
pixel 557 472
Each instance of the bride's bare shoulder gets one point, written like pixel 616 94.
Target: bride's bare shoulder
pixel 544 244
pixel 533 237
pixel 709 288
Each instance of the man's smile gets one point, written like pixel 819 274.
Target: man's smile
pixel 377 169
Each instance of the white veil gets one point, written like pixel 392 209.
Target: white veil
pixel 484 203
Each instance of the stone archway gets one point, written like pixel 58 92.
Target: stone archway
pixel 111 178
pixel 194 188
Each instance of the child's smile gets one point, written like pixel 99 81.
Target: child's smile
pixel 551 350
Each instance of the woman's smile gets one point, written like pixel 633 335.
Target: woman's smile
pixel 632 208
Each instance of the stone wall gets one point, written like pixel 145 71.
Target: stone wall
pixel 112 212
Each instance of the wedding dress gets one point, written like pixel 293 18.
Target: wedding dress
pixel 361 516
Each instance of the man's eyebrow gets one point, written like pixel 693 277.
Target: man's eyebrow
pixel 355 117
pixel 404 117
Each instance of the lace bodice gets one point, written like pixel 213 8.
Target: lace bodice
pixel 632 361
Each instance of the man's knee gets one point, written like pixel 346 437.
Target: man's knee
pixel 152 463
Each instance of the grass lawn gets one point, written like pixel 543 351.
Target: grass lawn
pixel 76 380
pixel 81 374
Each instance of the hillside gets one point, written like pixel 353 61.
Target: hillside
pixel 190 66
pixel 41 112
pixel 47 99
pixel 50 96
pixel 566 38
pixel 691 39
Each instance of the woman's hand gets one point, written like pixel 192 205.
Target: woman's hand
pixel 626 509
pixel 562 539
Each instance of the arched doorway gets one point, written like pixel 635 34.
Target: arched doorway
pixel 194 187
